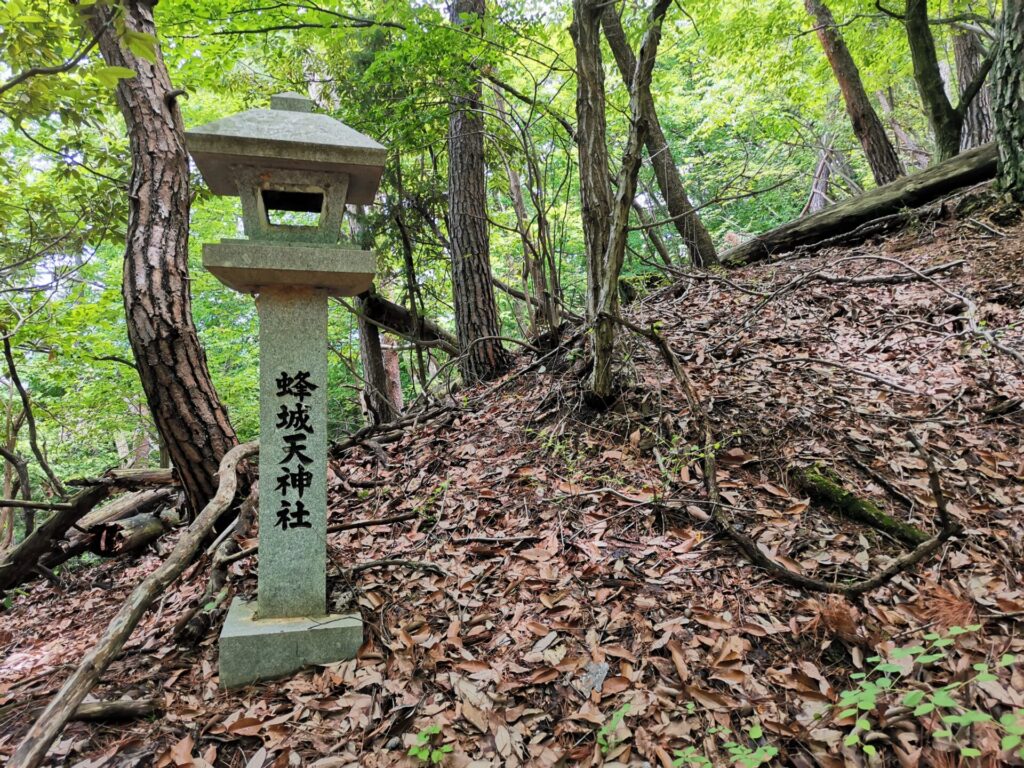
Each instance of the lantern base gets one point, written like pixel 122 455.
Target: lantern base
pixel 254 649
pixel 249 266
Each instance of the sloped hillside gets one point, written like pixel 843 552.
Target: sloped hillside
pixel 561 594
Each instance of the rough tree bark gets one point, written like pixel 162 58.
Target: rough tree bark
pixel 192 423
pixel 969 54
pixel 595 191
pixel 885 163
pixel 698 242
pixel 1009 100
pixel 946 121
pixel 476 312
pixel 602 383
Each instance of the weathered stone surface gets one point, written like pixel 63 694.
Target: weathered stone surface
pixel 286 138
pixel 293 528
pixel 252 650
pixel 250 267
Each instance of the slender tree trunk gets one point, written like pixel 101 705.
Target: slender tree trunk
pixel 818 198
pixel 192 423
pixel 885 163
pixel 476 313
pixel 905 141
pixel 595 191
pixel 376 395
pixel 602 383
pixel 944 119
pixel 1009 100
pixel 978 127
pixel 393 369
pixel 687 221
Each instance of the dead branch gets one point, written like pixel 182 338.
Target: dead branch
pixel 117 709
pixel 30 420
pixel 48 725
pixel 948 528
pixel 415 564
pixel 194 622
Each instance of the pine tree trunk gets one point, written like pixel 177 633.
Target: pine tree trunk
pixel 945 121
pixel 1009 100
pixel 192 423
pixel 476 313
pixel 885 163
pixel 968 53
pixel 687 221
pixel 595 191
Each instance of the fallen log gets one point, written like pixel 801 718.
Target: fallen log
pixel 844 217
pixel 130 478
pixel 51 721
pixel 21 561
pixel 826 488
pixel 119 527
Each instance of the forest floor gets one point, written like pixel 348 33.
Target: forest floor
pixel 586 610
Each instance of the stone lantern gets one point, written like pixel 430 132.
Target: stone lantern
pixel 294 171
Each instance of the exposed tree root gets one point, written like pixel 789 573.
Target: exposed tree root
pixel 947 527
pixel 826 488
pixel 48 725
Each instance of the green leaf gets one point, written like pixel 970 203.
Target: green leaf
pixel 869 750
pixel 942 734
pixel 1009 741
pixel 923 709
pixel 852 739
pixel 970 752
pixel 943 699
pixel 1007 660
pixel 755 732
pixel 109 76
pixel 913 698
pixel 928 658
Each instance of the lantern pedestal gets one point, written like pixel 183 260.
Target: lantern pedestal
pixel 263 649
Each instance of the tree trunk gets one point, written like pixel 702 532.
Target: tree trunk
pixel 602 384
pixel 595 191
pixel 476 312
pixel 943 118
pixel 885 163
pixel 905 141
pixel 686 220
pixel 968 53
pixel 818 199
pixel 192 423
pixel 375 387
pixel 1009 100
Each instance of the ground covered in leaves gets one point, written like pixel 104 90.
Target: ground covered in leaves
pixel 565 598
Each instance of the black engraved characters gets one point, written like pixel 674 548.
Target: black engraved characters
pixel 293 475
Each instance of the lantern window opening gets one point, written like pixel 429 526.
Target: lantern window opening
pixel 287 208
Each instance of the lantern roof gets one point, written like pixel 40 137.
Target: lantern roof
pixel 291 136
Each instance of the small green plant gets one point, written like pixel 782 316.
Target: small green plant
pixel 887 682
pixel 606 736
pixel 424 749
pixel 739 753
